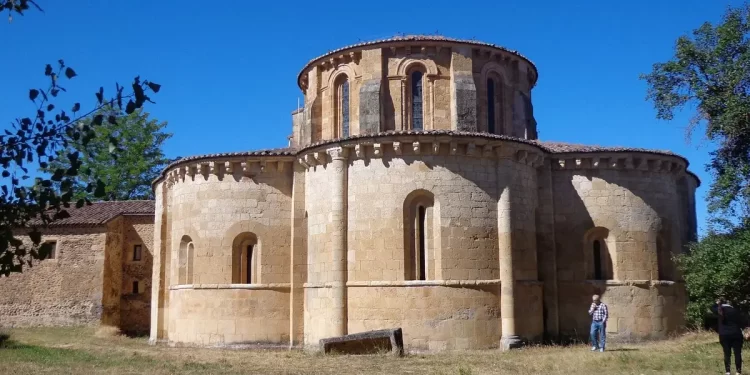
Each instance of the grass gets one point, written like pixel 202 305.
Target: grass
pixel 78 350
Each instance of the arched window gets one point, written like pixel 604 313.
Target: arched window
pixel 342 106
pixel 245 259
pixel 602 262
pixel 598 272
pixel 490 105
pixel 185 261
pixel 416 100
pixel 495 103
pixel 421 236
pixel 598 256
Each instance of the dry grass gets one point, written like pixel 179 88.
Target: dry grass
pixel 80 350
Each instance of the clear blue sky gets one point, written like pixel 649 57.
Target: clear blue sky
pixel 229 68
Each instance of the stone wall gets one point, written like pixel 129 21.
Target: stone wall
pixel 229 314
pixel 135 305
pixel 454 90
pixel 461 184
pixel 632 206
pixel 62 291
pixel 434 316
pixel 212 206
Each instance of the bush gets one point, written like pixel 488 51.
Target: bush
pixel 718 265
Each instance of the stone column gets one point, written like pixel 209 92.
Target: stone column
pixel 505 178
pixel 157 275
pixel 337 231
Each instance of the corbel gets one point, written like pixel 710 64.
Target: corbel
pixel 377 150
pixel 358 151
pixel 595 162
pixel 228 167
pixel 320 157
pixel 212 169
pixel 301 161
pixel 454 148
pixel 397 148
pixel 310 159
pixel 435 148
pixel 199 169
pixel 416 146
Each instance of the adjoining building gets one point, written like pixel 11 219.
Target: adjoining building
pixel 414 193
pixel 99 272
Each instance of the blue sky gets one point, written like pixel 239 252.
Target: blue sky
pixel 229 71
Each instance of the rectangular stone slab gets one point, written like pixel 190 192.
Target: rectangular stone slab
pixel 370 342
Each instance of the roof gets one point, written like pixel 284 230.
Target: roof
pixel 550 147
pixel 413 38
pixel 99 213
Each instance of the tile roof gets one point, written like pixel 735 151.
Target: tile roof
pixel 550 147
pixel 98 213
pixel 413 38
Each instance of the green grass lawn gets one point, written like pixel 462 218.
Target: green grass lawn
pixel 79 351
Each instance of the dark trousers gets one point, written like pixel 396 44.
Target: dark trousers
pixel 730 343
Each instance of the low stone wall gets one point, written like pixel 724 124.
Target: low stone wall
pixel 434 315
pixel 637 309
pixel 227 314
pixel 58 292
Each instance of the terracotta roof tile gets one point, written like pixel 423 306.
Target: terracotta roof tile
pixel 550 147
pixel 98 213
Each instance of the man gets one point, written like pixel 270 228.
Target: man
pixel 599 315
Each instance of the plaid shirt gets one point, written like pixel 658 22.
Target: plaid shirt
pixel 599 313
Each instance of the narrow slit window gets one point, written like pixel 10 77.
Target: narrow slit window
pixel 137 252
pixel 491 106
pixel 598 274
pixel 421 261
pixel 416 101
pixel 52 250
pixel 345 108
pixel 135 287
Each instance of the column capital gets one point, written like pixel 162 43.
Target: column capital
pixel 338 153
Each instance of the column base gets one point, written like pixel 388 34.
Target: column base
pixel 510 342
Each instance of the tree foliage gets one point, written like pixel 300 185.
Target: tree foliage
pixel 718 265
pixel 125 154
pixel 35 141
pixel 711 72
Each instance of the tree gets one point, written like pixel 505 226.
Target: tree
pixel 138 161
pixel 711 71
pixel 717 265
pixel 37 139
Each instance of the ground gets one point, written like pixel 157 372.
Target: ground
pixel 79 350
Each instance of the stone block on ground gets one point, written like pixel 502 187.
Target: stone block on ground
pixel 369 342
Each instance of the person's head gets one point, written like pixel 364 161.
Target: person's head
pixel 596 299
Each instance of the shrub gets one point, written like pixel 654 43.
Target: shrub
pixel 717 265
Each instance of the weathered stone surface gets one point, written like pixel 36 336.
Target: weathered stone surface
pixel 390 340
pixel 369 107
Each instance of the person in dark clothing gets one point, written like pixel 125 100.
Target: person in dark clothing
pixel 731 323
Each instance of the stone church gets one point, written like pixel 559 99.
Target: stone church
pixel 414 193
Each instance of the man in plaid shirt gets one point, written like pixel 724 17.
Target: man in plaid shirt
pixel 599 315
